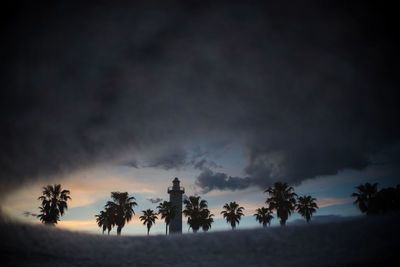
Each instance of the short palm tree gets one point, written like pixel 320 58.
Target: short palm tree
pixel 54 204
pixel 264 216
pixel 149 218
pixel 196 211
pixel 306 206
pixel 121 209
pixel 282 199
pixel 232 213
pixel 365 197
pixel 105 220
pixel 207 220
pixel 168 212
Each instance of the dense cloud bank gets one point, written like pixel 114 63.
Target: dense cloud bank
pixel 304 89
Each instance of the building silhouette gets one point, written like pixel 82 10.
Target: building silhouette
pixel 175 197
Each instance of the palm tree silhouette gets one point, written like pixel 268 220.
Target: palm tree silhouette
pixel 149 218
pixel 282 200
pixel 264 216
pixel 105 220
pixel 54 204
pixel 196 210
pixel 365 197
pixel 121 209
pixel 207 220
pixel 306 206
pixel 232 213
pixel 167 211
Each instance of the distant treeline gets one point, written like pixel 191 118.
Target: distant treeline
pixel 371 201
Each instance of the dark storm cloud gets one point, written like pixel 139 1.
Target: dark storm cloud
pixel 209 180
pixel 168 159
pixel 305 90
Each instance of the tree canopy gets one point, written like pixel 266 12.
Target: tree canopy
pixel 54 204
pixel 282 199
pixel 232 213
pixel 197 212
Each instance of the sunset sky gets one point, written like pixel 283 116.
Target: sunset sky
pixel 90 189
pixel 229 98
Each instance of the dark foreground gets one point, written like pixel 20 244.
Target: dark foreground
pixel 358 242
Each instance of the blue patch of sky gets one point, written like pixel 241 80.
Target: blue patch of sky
pixel 231 159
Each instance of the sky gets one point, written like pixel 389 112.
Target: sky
pixel 229 97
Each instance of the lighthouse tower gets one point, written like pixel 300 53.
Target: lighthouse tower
pixel 175 197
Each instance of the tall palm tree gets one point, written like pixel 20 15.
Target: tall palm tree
pixel 54 204
pixel 306 206
pixel 366 197
pixel 264 216
pixel 149 218
pixel 232 213
pixel 121 209
pixel 105 220
pixel 168 212
pixel 282 199
pixel 196 211
pixel 207 220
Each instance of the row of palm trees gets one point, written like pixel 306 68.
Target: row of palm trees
pixel 285 201
pixel 119 210
pixel 196 210
pixel 371 201
pixel 282 200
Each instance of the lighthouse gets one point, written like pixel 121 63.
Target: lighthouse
pixel 175 197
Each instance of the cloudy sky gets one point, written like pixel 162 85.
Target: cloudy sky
pixel 229 97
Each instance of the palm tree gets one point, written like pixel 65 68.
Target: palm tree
pixel 149 218
pixel 365 197
pixel 54 204
pixel 282 199
pixel 264 216
pixel 196 211
pixel 105 220
pixel 121 209
pixel 207 220
pixel 167 211
pixel 232 213
pixel 306 206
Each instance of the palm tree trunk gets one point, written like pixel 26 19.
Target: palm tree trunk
pixel 119 228
pixel 148 230
pixel 166 229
